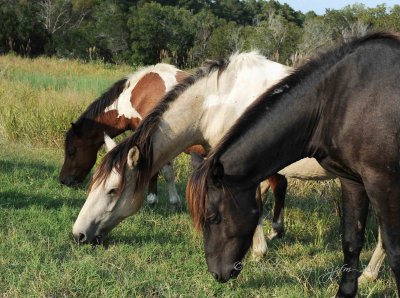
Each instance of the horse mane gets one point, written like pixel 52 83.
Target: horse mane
pixel 103 101
pixel 196 190
pixel 96 108
pixel 142 138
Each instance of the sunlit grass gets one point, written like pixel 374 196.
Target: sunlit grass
pixel 156 252
pixel 39 98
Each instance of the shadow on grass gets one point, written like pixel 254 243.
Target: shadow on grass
pixel 37 169
pixel 18 200
pixel 31 167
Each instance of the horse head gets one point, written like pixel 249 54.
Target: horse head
pixel 227 217
pixel 112 195
pixel 80 155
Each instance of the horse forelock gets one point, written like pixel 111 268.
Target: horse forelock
pixel 197 194
pixel 115 160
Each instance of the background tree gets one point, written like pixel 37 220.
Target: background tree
pixel 160 33
pixel 183 32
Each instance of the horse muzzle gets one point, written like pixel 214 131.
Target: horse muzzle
pixel 231 273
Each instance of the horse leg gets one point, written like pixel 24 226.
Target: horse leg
pixel 278 185
pixel 259 247
pixel 391 242
pixel 384 194
pixel 169 175
pixel 354 215
pixel 372 270
pixel 152 198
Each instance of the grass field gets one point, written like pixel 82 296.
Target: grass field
pixel 155 253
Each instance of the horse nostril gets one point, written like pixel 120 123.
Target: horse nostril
pixel 80 238
pixel 216 276
pixel 234 273
pixel 98 240
pixel 69 181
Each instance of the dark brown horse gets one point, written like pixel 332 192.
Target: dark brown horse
pixel 342 108
pixel 119 109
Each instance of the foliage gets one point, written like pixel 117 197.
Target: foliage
pixel 160 33
pixel 183 32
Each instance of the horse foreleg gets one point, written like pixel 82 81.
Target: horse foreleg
pixel 384 193
pixel 259 241
pixel 372 270
pixel 152 198
pixel 169 175
pixel 278 184
pixel 354 215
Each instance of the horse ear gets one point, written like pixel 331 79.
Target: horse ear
pixel 110 143
pixel 133 157
pixel 217 172
pixel 197 159
pixel 75 129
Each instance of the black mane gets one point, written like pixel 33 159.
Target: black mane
pixel 102 102
pixel 320 63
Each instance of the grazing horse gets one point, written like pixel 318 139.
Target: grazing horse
pixel 342 108
pixel 119 109
pixel 197 111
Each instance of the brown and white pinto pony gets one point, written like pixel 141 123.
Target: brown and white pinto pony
pixel 199 110
pixel 119 109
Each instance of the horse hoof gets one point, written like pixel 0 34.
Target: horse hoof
pixel 365 277
pixel 275 234
pixel 152 199
pixel 257 256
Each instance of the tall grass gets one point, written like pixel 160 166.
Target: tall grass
pixel 39 98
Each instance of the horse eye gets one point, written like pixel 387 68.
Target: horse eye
pixel 112 191
pixel 214 218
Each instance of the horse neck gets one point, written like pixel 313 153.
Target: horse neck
pixel 92 131
pixel 278 138
pixel 180 126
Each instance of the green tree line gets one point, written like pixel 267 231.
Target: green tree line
pixel 182 32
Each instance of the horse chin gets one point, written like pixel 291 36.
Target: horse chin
pixel 70 181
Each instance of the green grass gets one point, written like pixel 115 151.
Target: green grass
pixel 154 253
pixel 39 98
